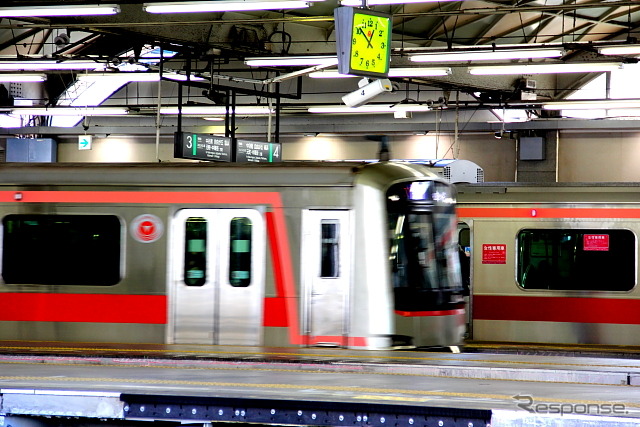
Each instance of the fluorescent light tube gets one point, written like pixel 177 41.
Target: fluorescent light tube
pixel 595 104
pixel 383 108
pixel 21 78
pixel 214 110
pixel 358 3
pixel 78 10
pixel 71 111
pixel 222 6
pixel 291 61
pixel 487 55
pixel 329 74
pixel 544 68
pixel 130 77
pixel 49 65
pixel 419 72
pixel 393 72
pixel 181 77
pixel 620 50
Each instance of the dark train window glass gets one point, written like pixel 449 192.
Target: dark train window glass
pixel 422 226
pixel 195 252
pixel 62 249
pixel 423 245
pixel 329 249
pixel 577 259
pixel 240 252
pixel 416 243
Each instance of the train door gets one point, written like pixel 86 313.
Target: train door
pixel 217 276
pixel 464 253
pixel 326 276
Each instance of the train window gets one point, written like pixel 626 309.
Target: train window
pixel 330 250
pixel 577 259
pixel 240 252
pixel 195 251
pixel 62 249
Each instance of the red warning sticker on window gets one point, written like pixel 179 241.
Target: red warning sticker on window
pixel 596 242
pixel 494 253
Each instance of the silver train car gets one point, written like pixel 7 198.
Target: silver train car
pixel 312 254
pixel 553 263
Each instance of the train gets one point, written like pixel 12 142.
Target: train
pixel 302 254
pixel 551 263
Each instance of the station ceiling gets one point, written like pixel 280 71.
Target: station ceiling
pixel 212 48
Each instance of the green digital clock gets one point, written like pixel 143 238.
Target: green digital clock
pixel 363 40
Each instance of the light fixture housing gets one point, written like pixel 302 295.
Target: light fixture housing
pixel 620 50
pixel 371 108
pixel 215 110
pixel 419 72
pixel 71 111
pixel 487 55
pixel 592 104
pixel 358 3
pixel 585 67
pixel 291 61
pixel 393 72
pixel 49 65
pixel 131 77
pixel 62 10
pixel 22 78
pixel 222 6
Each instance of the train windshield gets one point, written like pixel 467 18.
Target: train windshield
pixel 423 249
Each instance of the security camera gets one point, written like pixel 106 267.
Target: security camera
pixel 504 134
pixel 61 40
pixel 367 92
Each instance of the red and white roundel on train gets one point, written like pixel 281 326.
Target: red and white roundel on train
pixel 146 228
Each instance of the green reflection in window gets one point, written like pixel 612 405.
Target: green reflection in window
pixel 195 252
pixel 240 252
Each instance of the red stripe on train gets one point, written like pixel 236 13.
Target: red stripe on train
pixel 140 197
pixel 453 312
pixel 96 308
pixel 557 309
pixel 535 212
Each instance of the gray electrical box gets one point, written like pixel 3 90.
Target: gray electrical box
pixel 532 148
pixel 32 150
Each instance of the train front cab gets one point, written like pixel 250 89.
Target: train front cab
pixel 428 309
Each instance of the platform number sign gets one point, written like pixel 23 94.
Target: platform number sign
pixel 204 147
pixel 225 149
pixel 258 152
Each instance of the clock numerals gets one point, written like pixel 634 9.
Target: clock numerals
pixel 367 63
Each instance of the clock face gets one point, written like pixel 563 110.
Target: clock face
pixel 370 43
